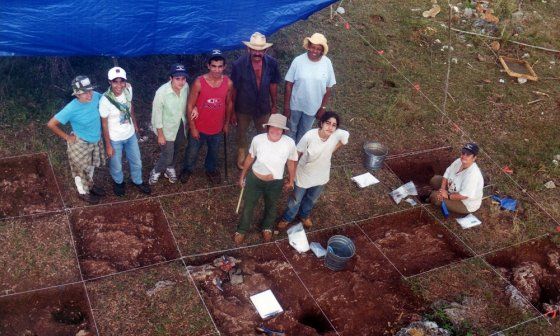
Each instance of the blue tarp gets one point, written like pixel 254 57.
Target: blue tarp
pixel 140 27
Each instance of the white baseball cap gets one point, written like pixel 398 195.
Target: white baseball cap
pixel 116 72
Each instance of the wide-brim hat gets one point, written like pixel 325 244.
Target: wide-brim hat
pixel 81 84
pixel 317 38
pixel 257 42
pixel 277 120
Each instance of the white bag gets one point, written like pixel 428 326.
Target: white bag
pixel 298 238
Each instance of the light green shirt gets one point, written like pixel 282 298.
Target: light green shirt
pixel 168 109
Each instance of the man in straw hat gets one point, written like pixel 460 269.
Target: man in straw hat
pixel 255 77
pixel 263 173
pixel 308 86
pixel 84 147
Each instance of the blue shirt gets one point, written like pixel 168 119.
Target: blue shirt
pixel 250 99
pixel 83 117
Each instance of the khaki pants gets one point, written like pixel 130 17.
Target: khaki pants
pixel 455 206
pixel 243 123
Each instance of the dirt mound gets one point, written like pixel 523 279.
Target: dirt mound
pixel 119 237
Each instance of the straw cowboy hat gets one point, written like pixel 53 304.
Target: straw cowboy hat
pixel 317 38
pixel 277 120
pixel 257 42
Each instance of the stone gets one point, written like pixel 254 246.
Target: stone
pixel 160 285
pixel 516 300
pixel 423 328
pixel 553 259
pixel 550 185
pixel 526 278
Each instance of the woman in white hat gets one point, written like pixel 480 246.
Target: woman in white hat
pixel 308 86
pixel 263 173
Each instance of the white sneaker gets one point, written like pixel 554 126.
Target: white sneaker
pixel 171 175
pixel 154 177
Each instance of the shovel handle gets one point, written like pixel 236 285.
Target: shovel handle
pixel 239 200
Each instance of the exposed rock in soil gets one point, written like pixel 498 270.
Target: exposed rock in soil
pixel 231 307
pixel 160 285
pixel 554 260
pixel 516 299
pixel 425 328
pixel 526 278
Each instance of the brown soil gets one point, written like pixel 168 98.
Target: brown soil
pixel 28 186
pixel 474 294
pixel 61 311
pixel 151 301
pixel 543 252
pixel 118 237
pixel 414 241
pixel 36 252
pixel 420 168
pixel 367 298
pixel 263 268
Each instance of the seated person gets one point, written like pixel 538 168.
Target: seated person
pixel 461 185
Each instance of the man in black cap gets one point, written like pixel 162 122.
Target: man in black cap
pixel 461 185
pixel 169 120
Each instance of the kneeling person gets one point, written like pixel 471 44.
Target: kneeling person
pixel 461 185
pixel 119 131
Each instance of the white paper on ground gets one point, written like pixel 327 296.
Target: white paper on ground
pixel 297 238
pixel 403 192
pixel 410 201
pixel 266 304
pixel 365 180
pixel 318 249
pixel 468 221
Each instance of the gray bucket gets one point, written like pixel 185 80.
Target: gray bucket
pixel 340 249
pixel 374 154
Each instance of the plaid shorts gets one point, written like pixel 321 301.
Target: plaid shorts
pixel 82 155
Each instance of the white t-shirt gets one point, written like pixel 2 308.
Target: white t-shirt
pixel 311 80
pixel 314 166
pixel 118 130
pixel 468 182
pixel 271 157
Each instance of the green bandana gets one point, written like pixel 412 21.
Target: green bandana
pixel 123 108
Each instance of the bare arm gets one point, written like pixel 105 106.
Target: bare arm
pixel 291 175
pixel 191 103
pixel 287 97
pixel 273 97
pixel 105 128
pixel 54 126
pixel 324 103
pixel 246 166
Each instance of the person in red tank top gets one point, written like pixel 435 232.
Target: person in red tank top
pixel 211 94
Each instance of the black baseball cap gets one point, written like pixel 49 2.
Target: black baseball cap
pixel 471 147
pixel 178 70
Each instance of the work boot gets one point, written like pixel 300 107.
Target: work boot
pixel 185 176
pixel 90 198
pixel 307 223
pixel 241 157
pixel 144 188
pixel 214 177
pixel 267 235
pixel 238 238
pixel 119 189
pixel 97 191
pixel 282 224
pixel 170 175
pixel 154 177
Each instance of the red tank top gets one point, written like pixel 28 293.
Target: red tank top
pixel 211 105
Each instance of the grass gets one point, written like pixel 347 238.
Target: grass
pixel 375 101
